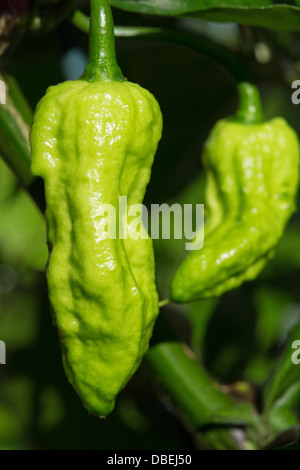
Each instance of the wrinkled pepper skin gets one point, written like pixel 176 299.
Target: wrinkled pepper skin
pixel 251 186
pixel 91 143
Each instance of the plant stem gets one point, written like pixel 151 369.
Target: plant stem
pixel 197 399
pixel 250 109
pixel 163 303
pixel 102 61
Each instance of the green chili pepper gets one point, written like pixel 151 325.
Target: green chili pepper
pixel 92 141
pixel 252 179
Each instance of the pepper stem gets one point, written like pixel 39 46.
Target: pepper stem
pixel 102 65
pixel 250 108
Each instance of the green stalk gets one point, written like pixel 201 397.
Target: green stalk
pixel 250 108
pixel 102 60
pixel 203 407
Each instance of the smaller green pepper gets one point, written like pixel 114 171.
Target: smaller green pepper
pixel 251 184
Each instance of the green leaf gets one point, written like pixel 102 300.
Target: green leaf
pixel 282 418
pixel 15 118
pixel 283 388
pixel 180 7
pixel 263 13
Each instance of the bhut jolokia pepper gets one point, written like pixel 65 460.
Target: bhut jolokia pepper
pixel 92 141
pixel 252 172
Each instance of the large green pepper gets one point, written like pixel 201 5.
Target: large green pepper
pixel 252 170
pixel 92 141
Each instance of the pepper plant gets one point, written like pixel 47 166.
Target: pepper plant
pixel 220 362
